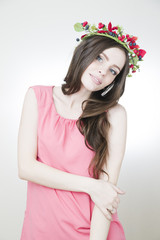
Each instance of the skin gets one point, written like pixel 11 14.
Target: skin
pixel 104 69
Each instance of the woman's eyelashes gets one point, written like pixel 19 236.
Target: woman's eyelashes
pixel 114 73
pixel 100 59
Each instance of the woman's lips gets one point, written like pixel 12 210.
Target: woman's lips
pixel 97 80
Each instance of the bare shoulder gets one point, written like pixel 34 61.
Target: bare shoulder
pixel 29 113
pixel 29 108
pixel 30 95
pixel 117 114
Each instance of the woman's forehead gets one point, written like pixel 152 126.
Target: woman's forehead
pixel 115 55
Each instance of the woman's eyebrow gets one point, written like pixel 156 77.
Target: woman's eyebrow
pixel 108 60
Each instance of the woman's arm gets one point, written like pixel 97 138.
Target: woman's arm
pixel 32 170
pixel 117 141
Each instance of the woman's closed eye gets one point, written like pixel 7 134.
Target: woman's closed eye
pixel 99 58
pixel 114 72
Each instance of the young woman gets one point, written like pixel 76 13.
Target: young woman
pixel 71 144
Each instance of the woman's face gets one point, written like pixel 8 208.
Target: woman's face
pixel 103 70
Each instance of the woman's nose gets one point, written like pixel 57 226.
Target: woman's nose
pixel 102 71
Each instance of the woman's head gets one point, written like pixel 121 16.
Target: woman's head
pixel 87 56
pixel 104 69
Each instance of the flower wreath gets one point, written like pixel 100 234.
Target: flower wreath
pixel 128 41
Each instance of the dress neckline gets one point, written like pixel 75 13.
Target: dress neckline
pixel 66 119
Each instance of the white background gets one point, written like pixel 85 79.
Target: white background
pixel 37 40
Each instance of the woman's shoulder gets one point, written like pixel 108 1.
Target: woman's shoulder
pixel 117 112
pixel 117 108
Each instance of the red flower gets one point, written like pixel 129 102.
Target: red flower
pixel 129 39
pixel 100 25
pixel 84 24
pixel 133 46
pixel 142 52
pixel 110 28
pixel 114 28
pixel 135 51
pixel 131 66
pixel 121 38
pixel 101 31
pixel 83 36
pixel 134 38
pixel 133 71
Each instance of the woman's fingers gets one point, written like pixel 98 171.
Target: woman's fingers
pixel 108 214
pixel 117 200
pixel 115 205
pixel 113 211
pixel 109 207
pixel 118 189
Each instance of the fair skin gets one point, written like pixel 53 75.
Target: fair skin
pixel 103 193
pixel 105 67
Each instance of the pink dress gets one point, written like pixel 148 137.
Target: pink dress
pixel 53 214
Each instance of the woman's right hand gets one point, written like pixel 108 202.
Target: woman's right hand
pixel 105 195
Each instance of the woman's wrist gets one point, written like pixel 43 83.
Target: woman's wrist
pixel 89 185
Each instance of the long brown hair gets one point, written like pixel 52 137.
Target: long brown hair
pixel 93 122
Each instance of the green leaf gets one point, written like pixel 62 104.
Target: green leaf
pixel 78 27
pixel 120 29
pixel 104 28
pixel 135 60
pixel 93 28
